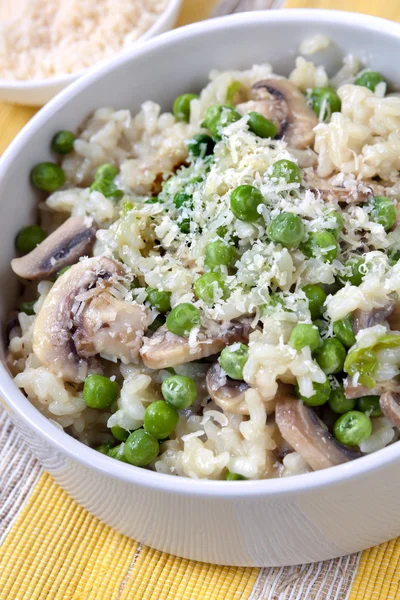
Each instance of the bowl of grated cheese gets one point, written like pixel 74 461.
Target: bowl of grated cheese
pixel 170 236
pixel 46 45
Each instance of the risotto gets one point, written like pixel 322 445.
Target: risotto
pixel 215 292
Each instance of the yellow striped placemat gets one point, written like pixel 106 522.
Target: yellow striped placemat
pixel 52 549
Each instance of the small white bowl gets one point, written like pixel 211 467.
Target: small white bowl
pixel 284 521
pixel 36 92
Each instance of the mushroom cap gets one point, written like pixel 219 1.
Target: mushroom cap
pixel 282 103
pixel 390 406
pixel 357 391
pixel 227 393
pixel 64 247
pixel 79 318
pixel 305 432
pixel 362 319
pixel 165 349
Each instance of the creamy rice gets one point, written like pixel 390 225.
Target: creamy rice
pixel 353 157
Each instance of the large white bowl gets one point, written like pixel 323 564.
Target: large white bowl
pixel 36 92
pixel 259 523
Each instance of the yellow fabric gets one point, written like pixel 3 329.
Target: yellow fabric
pixel 378 575
pixel 56 550
pixel 389 9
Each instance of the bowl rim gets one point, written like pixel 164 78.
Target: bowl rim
pixel 63 80
pixel 16 403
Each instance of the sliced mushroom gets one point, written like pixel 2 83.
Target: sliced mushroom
pixel 81 318
pixel 305 432
pixel 63 247
pixel 165 349
pixel 394 318
pixel 357 193
pixel 357 391
pixel 281 102
pixel 227 393
pixel 390 406
pixel 362 319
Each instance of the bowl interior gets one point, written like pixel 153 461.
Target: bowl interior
pixel 178 62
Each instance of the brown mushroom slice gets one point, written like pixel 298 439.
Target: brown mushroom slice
pixel 227 393
pixel 390 406
pixel 394 318
pixel 307 435
pixel 110 327
pixel 75 323
pixel 340 194
pixel 165 349
pixel 281 102
pixel 63 247
pixel 362 319
pixel 357 391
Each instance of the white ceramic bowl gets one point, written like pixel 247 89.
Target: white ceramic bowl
pixel 38 92
pixel 260 523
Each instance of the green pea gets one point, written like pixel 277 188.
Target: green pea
pixel 63 270
pixel 244 202
pixel 47 176
pixel 362 362
pixel 28 238
pixel 218 117
pixel 184 225
pixel 201 144
pixel 183 318
pixel 384 212
pixel 343 330
pixel 325 99
pixel 369 405
pixel 339 223
pixel 27 307
pixel 232 92
pixel 316 298
pixel 321 394
pixel 141 448
pixel 352 272
pixel 304 334
pixel 235 477
pixel 339 403
pixel 152 201
pixel 260 126
pixel 352 428
pixel 210 287
pixel 157 323
pixel 106 171
pixel 104 448
pixel 160 419
pixel 219 253
pixel 119 433
pixel 182 198
pixel 181 106
pixel 233 359
pixel 286 229
pixel 118 453
pixel 331 356
pixel 107 188
pixel 323 327
pixel 369 79
pixel 179 391
pixel 99 391
pixel 321 244
pixel 63 142
pixel 287 170
pixel 127 206
pixel 159 300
